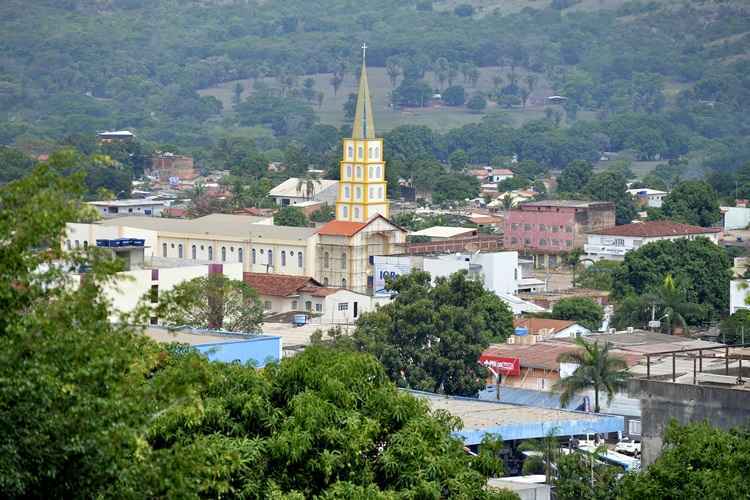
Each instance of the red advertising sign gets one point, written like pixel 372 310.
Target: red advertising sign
pixel 506 366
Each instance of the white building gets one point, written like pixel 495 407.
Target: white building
pixel 291 192
pixel 652 198
pixel 739 290
pixel 735 218
pixel 124 208
pixel 289 294
pixel 498 271
pixel 438 233
pixel 614 242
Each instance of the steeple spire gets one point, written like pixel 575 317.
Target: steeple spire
pixel 364 126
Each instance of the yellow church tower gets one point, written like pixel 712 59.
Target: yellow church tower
pixel 362 189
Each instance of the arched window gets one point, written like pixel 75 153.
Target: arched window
pixel 369 152
pixel 253 255
pixel 325 281
pixel 78 244
pixel 283 257
pixel 85 244
pixel 351 155
pixel 372 171
pixel 380 193
pixel 377 172
pixel 223 254
pixel 326 260
pixel 356 212
pixel 346 192
pixel 299 259
pixel 377 153
pixel 344 212
pixel 240 255
pixel 372 193
pixel 179 250
pixel 360 152
pixel 343 261
pixel 359 172
pixel 67 244
pixel 163 249
pixel 343 282
pixel 270 257
pixel 194 252
pixel 359 193
pixel 348 171
pixel 210 252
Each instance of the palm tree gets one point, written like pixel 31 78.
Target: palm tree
pixel 547 452
pixel 507 201
pixel 307 184
pixel 573 260
pixel 597 370
pixel 674 305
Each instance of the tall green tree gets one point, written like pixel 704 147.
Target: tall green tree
pixel 575 176
pixel 582 310
pixel 692 202
pixel 597 370
pixel 673 306
pixel 216 302
pixel 701 266
pixel 612 186
pixel 290 216
pixel 430 337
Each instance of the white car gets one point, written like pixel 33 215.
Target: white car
pixel 628 447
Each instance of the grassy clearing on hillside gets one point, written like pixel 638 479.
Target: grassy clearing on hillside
pixel 438 117
pixel 484 7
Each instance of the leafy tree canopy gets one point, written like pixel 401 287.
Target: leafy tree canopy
pixel 612 186
pixel 692 202
pixel 430 337
pixel 290 216
pixel 575 176
pixel 582 310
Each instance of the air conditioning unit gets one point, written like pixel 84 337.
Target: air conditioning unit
pixel 631 329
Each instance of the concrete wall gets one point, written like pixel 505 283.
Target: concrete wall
pixel 77 233
pixel 663 401
pixel 736 217
pixel 738 292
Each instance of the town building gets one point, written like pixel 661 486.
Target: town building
pixel 613 243
pixel 646 197
pixel 115 136
pixel 491 175
pixel 123 208
pixel 735 218
pixel 363 188
pixel 294 191
pixel 289 294
pixel 499 272
pixel 532 330
pixel 543 230
pixel 461 243
pixel 169 167
pixel 548 299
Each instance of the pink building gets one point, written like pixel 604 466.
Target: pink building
pixel 542 230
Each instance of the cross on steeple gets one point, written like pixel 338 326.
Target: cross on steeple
pixel 364 51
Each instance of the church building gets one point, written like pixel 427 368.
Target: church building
pixel 347 245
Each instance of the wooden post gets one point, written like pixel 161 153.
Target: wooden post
pixel 674 366
pixel 648 367
pixel 726 361
pixel 700 360
pixel 695 374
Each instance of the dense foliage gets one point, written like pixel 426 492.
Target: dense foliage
pixel 430 337
pixel 290 216
pixel 94 409
pixel 582 310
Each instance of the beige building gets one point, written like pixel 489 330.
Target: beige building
pixel 220 238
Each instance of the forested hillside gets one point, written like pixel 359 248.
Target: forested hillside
pixel 665 79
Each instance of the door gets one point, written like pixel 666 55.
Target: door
pixel 356 311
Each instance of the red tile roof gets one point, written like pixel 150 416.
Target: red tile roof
pixel 341 228
pixel 544 355
pixel 278 285
pixel 535 325
pixel 655 229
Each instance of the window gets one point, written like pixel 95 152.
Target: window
pixel 542 227
pixel 359 193
pixel 294 305
pixel 568 243
pixel 555 229
pixel 231 249
pixel 377 171
pixel 346 192
pixel 619 242
pixel 372 193
pixel 360 154
pixel 344 306
pixel 172 245
pixel 526 241
pixel 267 306
pixel 514 226
pixel 194 252
pixel 67 244
pixel 634 427
pixel 372 172
pixel 542 242
pixel 527 227
pixel 318 307
pixel 325 281
pixel 308 306
pixel 350 154
pixel 380 193
pixel 568 229
pixel 300 262
pixel 240 255
pixel 223 254
pixel 555 243
pixel 154 294
pixel 344 212
pixel 359 172
pixel 356 212
pixel 283 257
pixel 163 249
pixel 210 252
pixel 343 261
pixel 154 320
pixel 270 257
pixel 179 250
pixel 349 171
pixel 325 260
pixel 514 241
pixel 343 282
pixel 253 256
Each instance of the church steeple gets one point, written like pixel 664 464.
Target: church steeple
pixel 364 125
pixel 363 192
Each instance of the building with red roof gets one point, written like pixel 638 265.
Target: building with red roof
pixel 614 242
